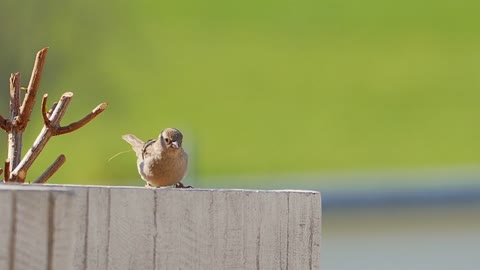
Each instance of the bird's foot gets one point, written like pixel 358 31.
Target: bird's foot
pixel 181 185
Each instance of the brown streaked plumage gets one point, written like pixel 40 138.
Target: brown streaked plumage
pixel 160 162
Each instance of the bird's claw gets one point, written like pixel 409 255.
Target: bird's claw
pixel 181 185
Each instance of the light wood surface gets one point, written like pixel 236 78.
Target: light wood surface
pixel 101 228
pixel 37 226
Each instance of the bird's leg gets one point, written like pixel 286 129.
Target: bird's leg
pixel 181 185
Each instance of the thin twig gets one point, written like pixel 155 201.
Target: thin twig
pixel 29 100
pixel 51 170
pixel 45 134
pixel 15 133
pixel 7 170
pixel 80 123
pixel 45 116
pixel 16 169
pixel 50 111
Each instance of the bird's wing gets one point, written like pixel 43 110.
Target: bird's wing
pixel 135 142
pixel 147 148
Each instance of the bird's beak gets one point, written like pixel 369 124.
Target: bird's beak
pixel 175 144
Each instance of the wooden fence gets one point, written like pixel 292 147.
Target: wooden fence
pixel 96 228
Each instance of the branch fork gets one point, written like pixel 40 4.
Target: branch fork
pixel 16 168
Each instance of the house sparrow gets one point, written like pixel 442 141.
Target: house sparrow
pixel 161 162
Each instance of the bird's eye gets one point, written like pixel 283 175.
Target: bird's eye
pixel 167 140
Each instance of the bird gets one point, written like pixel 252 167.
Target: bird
pixel 161 162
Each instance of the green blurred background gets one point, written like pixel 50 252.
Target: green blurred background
pixel 375 103
pixel 258 87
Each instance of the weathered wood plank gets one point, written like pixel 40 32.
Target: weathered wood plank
pixel 165 228
pixel 303 231
pixel 32 230
pixel 131 231
pixel 80 228
pixel 228 230
pixel 92 232
pixel 61 231
pixel 173 222
pixel 272 231
pixel 38 228
pixel 98 222
pixel 7 202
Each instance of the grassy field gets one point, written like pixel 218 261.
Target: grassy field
pixel 268 87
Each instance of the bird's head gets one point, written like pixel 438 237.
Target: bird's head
pixel 171 138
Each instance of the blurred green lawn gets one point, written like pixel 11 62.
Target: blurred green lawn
pixel 257 87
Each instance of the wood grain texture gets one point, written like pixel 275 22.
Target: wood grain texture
pixel 6 222
pixel 168 228
pixel 92 231
pixel 131 229
pixel 165 228
pixel 31 247
pixel 62 230
pixel 80 228
pixel 38 228
pixel 98 221
pixel 303 231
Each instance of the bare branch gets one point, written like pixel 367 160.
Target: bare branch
pixel 60 109
pixel 29 100
pixel 45 134
pixel 16 169
pixel 50 111
pixel 51 170
pixel 14 94
pixel 15 133
pixel 51 129
pixel 45 115
pixel 76 125
pixel 7 170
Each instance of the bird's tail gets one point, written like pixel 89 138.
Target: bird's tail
pixel 135 142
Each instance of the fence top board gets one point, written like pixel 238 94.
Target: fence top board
pixel 168 228
pixel 7 187
pixel 173 189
